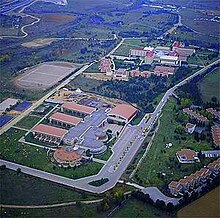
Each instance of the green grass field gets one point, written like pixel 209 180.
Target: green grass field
pixel 78 211
pixel 162 160
pixel 203 57
pixel 105 156
pixel 134 209
pixel 210 86
pixel 37 158
pixel 28 122
pixel 22 189
pixel 85 84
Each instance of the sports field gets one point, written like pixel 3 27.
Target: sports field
pixel 44 76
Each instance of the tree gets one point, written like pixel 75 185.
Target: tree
pixel 18 170
pixel 170 207
pixel 214 99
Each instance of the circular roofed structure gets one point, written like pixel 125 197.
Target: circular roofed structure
pixel 67 155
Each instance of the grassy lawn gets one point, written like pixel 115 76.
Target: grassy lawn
pixel 203 57
pixel 137 119
pixel 23 189
pixel 37 157
pixel 28 122
pixel 134 209
pixel 162 160
pixel 210 86
pixel 93 69
pixel 105 156
pixel 78 211
pixel 84 83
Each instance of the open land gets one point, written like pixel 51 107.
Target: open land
pixel 22 189
pixel 200 208
pixel 38 43
pixel 210 86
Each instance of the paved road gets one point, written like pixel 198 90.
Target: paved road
pixel 155 194
pixel 123 151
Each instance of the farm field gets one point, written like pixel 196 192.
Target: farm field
pixel 199 22
pixel 21 189
pixel 210 86
pixel 200 208
pixel 191 38
pixel 162 160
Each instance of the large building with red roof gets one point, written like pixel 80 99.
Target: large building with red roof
pixel 48 133
pixel 137 73
pixel 140 52
pixel 164 71
pixel 122 113
pixel 64 119
pixel 78 109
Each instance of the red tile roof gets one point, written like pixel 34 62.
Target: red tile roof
pixel 187 154
pixel 65 118
pixel 124 110
pixel 175 185
pixel 216 134
pixel 164 70
pixel 65 155
pixel 78 107
pixel 50 130
pixel 195 115
pixel 213 112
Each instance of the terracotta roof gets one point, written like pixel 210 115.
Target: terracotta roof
pixel 195 115
pixel 187 154
pixel 123 110
pixel 216 134
pixel 50 130
pixel 202 172
pixel 78 107
pixel 213 112
pixel 65 155
pixel 162 69
pixel 65 118
pixel 175 185
pixel 184 181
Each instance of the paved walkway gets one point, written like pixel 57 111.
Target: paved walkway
pixel 155 194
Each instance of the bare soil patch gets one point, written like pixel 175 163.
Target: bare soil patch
pixel 62 18
pixel 39 43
